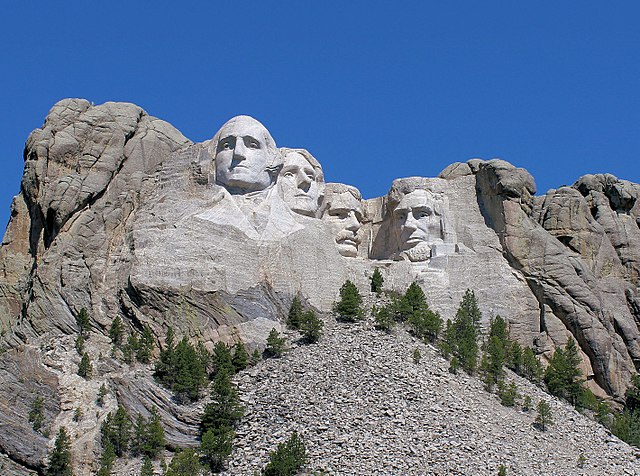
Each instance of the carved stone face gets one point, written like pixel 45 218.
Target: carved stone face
pixel 417 223
pixel 299 184
pixel 243 155
pixel 344 218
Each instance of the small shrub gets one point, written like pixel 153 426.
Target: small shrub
pixel 417 355
pixel 102 392
pixel 582 460
pixel 36 415
pixel 376 281
pixel 384 318
pixel 508 393
pixel 294 319
pixel 349 308
pixel 502 470
pixel 311 327
pixel 80 340
pixel 288 458
pixel 526 403
pixel 544 417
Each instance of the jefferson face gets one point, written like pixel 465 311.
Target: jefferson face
pixel 243 154
pixel 344 218
pixel 416 221
pixel 299 184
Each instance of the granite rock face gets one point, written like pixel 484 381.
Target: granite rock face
pixel 122 215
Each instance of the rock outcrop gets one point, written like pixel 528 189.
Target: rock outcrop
pixel 120 214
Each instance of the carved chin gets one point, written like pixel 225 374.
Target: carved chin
pixel 347 249
pixel 420 252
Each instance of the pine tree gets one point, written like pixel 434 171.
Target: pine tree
pixel 543 418
pixel 139 435
pixel 145 345
pixel 224 410
pixel 130 349
pixel 311 326
pixel 222 358
pixel 147 467
pixel 349 308
pixel 80 340
pixel 256 357
pixel 275 344
pixel 85 369
pixel 417 355
pixel 116 331
pixel 188 370
pixel 508 393
pixel 384 318
pixel 497 347
pixel 116 431
pixel 83 321
pixel 240 358
pixel 425 324
pixel 462 335
pixel 288 458
pixel 216 446
pixel 632 395
pixel 60 457
pixel 102 392
pixel 376 281
pixel 155 440
pixel 531 367
pixel 36 415
pixel 294 319
pixel 107 458
pixel 563 374
pixel 185 463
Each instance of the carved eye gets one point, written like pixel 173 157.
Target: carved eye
pixel 288 173
pixel 253 144
pixel 422 214
pixel 226 145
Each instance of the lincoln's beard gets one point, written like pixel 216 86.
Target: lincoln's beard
pixel 420 252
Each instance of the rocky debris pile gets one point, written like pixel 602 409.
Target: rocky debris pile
pixel 363 406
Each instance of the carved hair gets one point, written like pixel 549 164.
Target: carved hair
pixel 402 187
pixel 331 189
pixel 317 168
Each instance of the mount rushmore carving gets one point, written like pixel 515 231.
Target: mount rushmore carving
pixel 119 213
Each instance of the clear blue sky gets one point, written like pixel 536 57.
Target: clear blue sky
pixel 374 90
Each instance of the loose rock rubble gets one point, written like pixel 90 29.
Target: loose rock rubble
pixel 363 407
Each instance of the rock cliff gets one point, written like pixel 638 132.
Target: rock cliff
pixel 120 214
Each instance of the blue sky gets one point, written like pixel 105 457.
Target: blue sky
pixel 375 90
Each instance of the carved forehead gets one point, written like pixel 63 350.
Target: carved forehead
pixel 416 199
pixel 302 157
pixel 245 126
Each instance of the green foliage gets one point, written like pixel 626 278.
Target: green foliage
pixel 563 374
pixel 275 344
pixel 496 350
pixel 146 345
pixel 185 463
pixel 287 459
pixel 130 349
pixel 376 281
pixel 115 431
pixel 85 369
pixel 148 435
pixel 107 459
pixel 632 395
pixel 526 403
pixel 349 308
pixel 294 319
pixel 461 335
pixel 426 324
pixel 36 414
pixel 508 393
pixel 216 446
pixel 582 460
pixel 256 357
pixel 531 368
pixel 181 368
pixel 384 317
pixel 544 417
pixel 224 410
pixel 80 340
pixel 240 359
pixel 102 392
pixel 147 467
pixel 83 321
pixel 77 414
pixel 626 426
pixel 311 326
pixel 222 359
pixel 416 355
pixel 116 331
pixel 60 457
pixel 502 470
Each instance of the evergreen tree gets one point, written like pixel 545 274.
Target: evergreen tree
pixel 36 414
pixel 240 358
pixel 508 393
pixel 294 319
pixel 102 392
pixel 417 355
pixel 288 458
pixel 563 374
pixel 80 340
pixel 275 344
pixel 85 369
pixel 189 372
pixel 311 327
pixel 116 431
pixel 462 335
pixel 107 458
pixel 216 447
pixel 497 347
pixel 83 321
pixel 426 324
pixel 384 317
pixel 222 358
pixel 349 308
pixel 256 357
pixel 632 395
pixel 376 281
pixel 185 463
pixel 154 440
pixel 626 426
pixel 60 457
pixel 145 345
pixel 139 435
pixel 531 367
pixel 116 331
pixel 163 370
pixel 514 357
pixel 543 418
pixel 147 467
pixel 526 403
pixel 130 349
pixel 224 410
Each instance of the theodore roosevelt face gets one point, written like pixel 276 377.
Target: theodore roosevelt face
pixel 343 215
pixel 244 152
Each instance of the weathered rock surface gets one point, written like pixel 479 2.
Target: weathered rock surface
pixel 122 215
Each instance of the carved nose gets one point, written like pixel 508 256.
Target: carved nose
pixel 410 222
pixel 353 224
pixel 239 151
pixel 304 182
